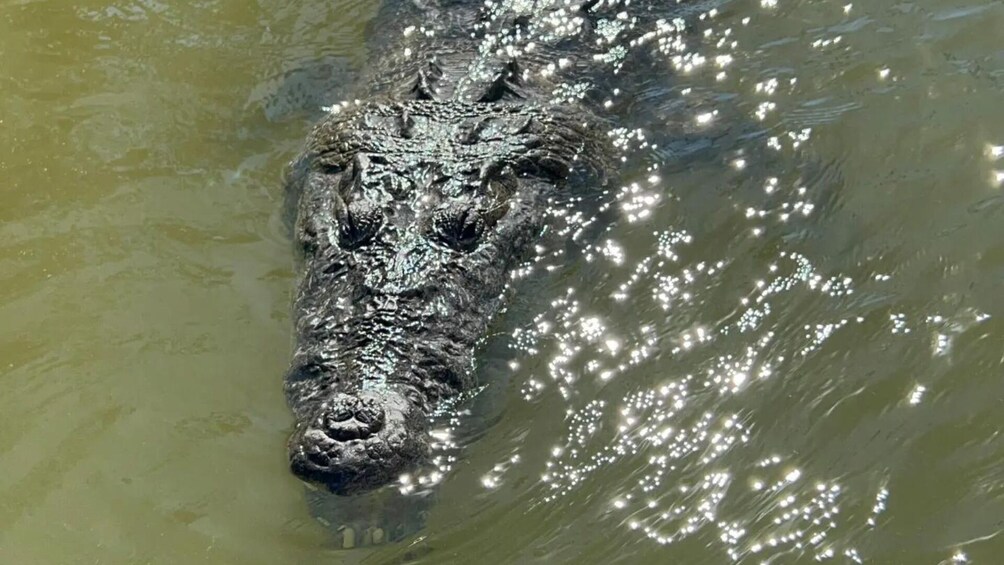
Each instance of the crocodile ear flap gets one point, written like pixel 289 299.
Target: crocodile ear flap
pixel 504 85
pixel 424 88
pixel 406 123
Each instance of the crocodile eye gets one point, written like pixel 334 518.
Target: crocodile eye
pixel 358 222
pixel 459 225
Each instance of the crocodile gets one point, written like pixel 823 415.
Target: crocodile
pixel 415 206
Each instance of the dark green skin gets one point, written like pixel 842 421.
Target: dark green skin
pixel 412 218
pixel 413 210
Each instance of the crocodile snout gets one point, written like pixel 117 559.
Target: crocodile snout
pixel 350 417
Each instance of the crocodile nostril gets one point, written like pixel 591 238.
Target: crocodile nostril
pixel 352 418
pixel 366 416
pixel 370 414
pixel 319 458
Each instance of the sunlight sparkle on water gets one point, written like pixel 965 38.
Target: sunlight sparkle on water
pixel 705 118
pixel 763 109
pixel 879 507
pixel 636 203
pixel 613 251
pixel 681 432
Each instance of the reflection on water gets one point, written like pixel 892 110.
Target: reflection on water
pixel 778 342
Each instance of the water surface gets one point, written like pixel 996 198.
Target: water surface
pixel 786 350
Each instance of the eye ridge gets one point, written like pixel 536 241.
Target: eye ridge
pixel 358 222
pixel 460 226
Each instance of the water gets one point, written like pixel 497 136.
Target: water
pixel 737 370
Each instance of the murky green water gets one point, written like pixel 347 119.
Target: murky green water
pixel 793 355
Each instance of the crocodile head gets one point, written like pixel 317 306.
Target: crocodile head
pixel 413 218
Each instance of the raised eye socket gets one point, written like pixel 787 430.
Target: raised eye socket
pixel 459 225
pixel 358 222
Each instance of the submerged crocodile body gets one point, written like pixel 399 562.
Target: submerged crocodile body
pixel 414 209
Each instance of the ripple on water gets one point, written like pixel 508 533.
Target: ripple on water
pixel 728 375
pixel 776 340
